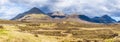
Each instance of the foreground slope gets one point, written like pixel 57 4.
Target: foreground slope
pixel 64 31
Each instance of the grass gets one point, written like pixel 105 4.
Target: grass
pixel 57 32
pixel 3 32
pixel 14 36
pixel 109 40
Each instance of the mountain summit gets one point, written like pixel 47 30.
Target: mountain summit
pixel 57 14
pixel 103 19
pixel 34 10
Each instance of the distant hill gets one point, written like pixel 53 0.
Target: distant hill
pixel 103 19
pixel 86 18
pixel 77 18
pixel 118 21
pixel 60 16
pixel 31 11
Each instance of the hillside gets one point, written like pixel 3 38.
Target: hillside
pixel 35 18
pixel 9 22
pixel 66 31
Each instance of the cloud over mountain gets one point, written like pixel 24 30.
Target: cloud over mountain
pixel 87 7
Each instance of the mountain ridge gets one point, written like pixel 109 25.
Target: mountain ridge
pixel 102 19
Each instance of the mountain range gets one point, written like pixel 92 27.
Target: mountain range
pixel 103 19
pixel 61 15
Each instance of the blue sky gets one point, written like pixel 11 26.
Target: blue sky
pixel 91 8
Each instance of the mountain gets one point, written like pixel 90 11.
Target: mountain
pixel 103 19
pixel 86 18
pixel 118 21
pixel 72 16
pixel 80 17
pixel 31 11
pixel 57 14
pixel 61 15
pixel 77 18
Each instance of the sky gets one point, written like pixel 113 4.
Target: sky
pixel 91 8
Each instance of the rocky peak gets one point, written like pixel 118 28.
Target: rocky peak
pixel 57 13
pixel 34 10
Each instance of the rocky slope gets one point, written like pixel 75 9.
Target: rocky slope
pixel 31 11
pixel 35 18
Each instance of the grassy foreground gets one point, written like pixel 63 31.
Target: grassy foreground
pixel 59 32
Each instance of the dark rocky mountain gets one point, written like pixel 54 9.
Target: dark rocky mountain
pixel 31 11
pixel 103 19
pixel 86 18
pixel 118 21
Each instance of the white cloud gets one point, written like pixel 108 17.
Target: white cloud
pixel 3 2
pixel 65 3
pixel 8 13
pixel 30 3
